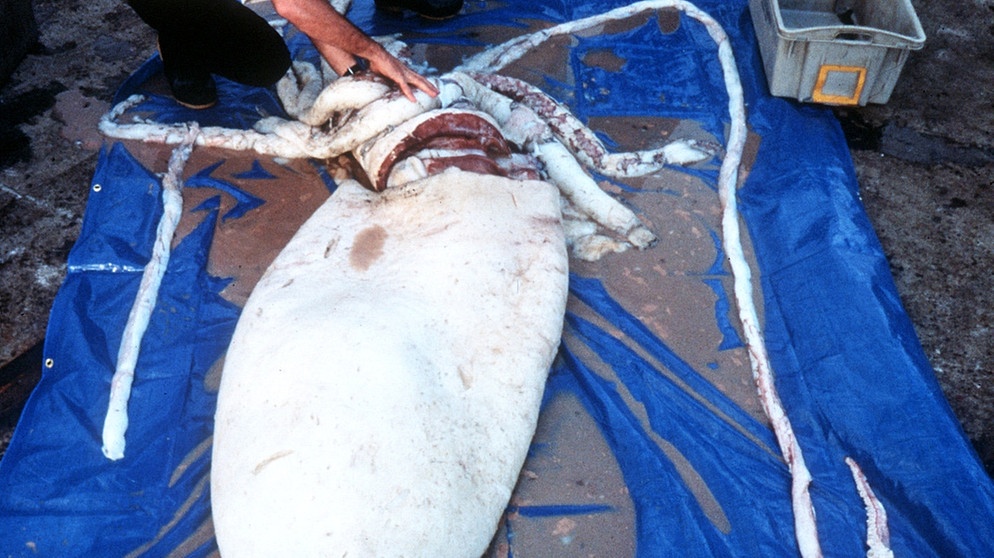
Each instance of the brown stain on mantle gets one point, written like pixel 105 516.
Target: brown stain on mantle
pixel 368 247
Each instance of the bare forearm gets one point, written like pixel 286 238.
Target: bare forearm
pixel 340 60
pixel 339 42
pixel 332 34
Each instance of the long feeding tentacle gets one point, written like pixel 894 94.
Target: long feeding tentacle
pixel 877 531
pixel 805 526
pixel 116 421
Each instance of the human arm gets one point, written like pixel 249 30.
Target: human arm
pixel 340 42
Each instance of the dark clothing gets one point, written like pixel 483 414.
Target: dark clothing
pixel 223 37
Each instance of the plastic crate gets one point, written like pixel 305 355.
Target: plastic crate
pixel 835 52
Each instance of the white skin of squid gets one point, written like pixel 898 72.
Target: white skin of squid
pixel 210 136
pixel 345 93
pixel 877 531
pixel 299 88
pixel 584 193
pixel 362 126
pixel 305 97
pixel 294 139
pixel 284 138
pixel 399 49
pixel 408 170
pixel 805 526
pixel 583 238
pixel 116 420
pixel 291 139
pixel 390 418
pixel 498 57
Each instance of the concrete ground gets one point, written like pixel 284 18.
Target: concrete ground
pixel 925 163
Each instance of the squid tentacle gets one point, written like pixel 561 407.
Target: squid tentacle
pixel 877 530
pixel 210 136
pixel 116 419
pixel 299 88
pixel 307 99
pixel 584 143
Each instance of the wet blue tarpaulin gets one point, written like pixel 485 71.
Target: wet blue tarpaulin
pixel 685 465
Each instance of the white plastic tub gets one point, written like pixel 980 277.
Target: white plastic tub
pixel 835 52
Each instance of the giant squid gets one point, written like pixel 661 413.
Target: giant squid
pixel 438 281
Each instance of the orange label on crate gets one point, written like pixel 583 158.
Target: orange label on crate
pixel 839 85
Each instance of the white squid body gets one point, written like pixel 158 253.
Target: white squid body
pixel 383 384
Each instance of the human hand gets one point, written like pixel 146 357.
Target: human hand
pixel 396 71
pixel 340 42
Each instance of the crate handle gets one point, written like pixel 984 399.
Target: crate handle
pixel 854 36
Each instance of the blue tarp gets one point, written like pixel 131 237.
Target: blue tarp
pixel 849 368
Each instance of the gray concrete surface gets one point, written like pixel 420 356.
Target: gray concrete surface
pixel 925 163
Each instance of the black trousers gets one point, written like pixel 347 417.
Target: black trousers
pixel 220 37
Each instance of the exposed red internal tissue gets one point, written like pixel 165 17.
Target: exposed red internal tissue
pixel 462 140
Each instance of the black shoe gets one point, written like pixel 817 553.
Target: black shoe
pixel 431 9
pixel 191 87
